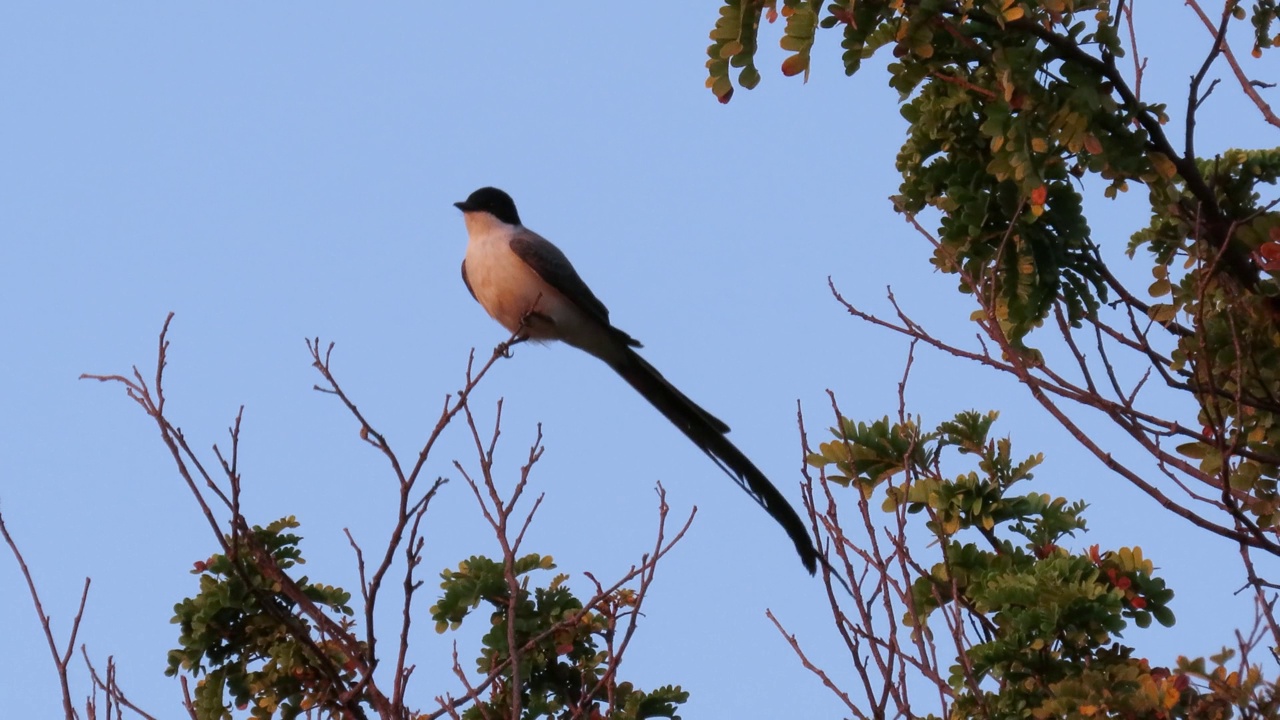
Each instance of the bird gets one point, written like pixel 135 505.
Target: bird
pixel 529 286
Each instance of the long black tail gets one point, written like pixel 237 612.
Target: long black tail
pixel 708 433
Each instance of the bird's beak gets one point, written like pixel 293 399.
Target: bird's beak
pixel 463 206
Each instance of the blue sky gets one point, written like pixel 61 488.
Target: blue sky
pixel 276 172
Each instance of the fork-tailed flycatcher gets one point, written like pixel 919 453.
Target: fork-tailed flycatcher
pixel 526 284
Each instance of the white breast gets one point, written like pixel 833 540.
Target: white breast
pixel 507 288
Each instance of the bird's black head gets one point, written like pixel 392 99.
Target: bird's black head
pixel 493 201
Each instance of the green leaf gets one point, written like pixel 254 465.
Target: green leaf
pixel 1196 450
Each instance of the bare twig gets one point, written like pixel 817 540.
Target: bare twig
pixel 61 659
pixel 1194 97
pixel 110 687
pixel 1248 86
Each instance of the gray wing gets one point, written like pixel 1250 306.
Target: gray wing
pixel 467 282
pixel 552 266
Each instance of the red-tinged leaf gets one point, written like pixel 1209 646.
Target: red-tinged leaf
pixel 795 65
pixel 1269 256
pixel 723 88
pixel 1039 195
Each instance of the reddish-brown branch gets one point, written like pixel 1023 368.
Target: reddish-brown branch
pixel 964 84
pixel 410 506
pixel 60 659
pixel 872 632
pixel 1246 84
pixel 811 667
pixel 449 705
pixel 1139 65
pixel 1040 389
pixel 110 688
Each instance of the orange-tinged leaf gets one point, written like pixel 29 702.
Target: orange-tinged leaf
pixel 1039 195
pixel 796 64
pixel 1163 165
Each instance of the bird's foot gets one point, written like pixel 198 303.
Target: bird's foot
pixel 504 348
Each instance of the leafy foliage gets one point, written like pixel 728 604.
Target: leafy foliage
pixel 253 646
pixel 246 636
pixel 1047 619
pixel 734 45
pixel 1014 108
pixel 1231 359
pixel 561 670
pixel 1009 101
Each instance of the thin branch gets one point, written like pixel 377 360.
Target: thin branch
pixel 811 667
pixel 1248 86
pixel 1194 98
pixel 60 659
pixel 110 687
pixel 1016 366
